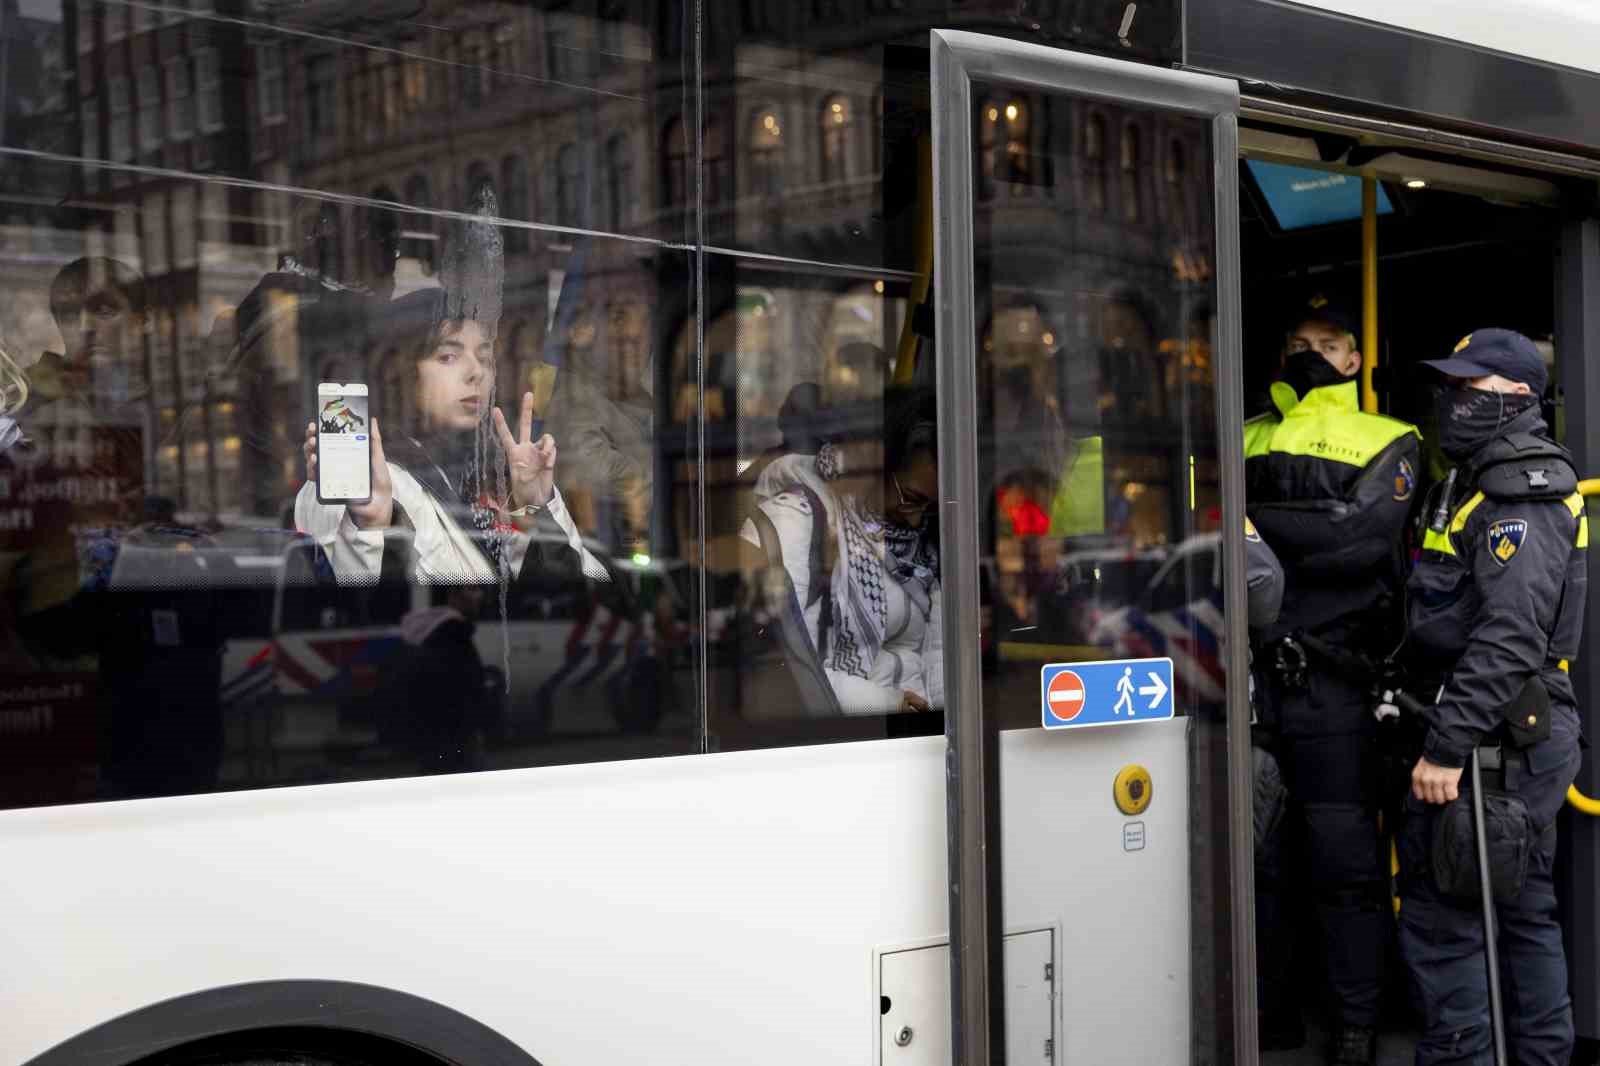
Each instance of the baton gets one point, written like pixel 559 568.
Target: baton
pixel 1491 951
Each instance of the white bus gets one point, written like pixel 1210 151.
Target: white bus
pixel 897 360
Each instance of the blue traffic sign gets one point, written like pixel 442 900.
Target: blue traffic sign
pixel 1076 695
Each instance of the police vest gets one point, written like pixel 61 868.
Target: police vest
pixel 1328 485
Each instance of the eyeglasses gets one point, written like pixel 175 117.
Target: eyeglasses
pixel 915 502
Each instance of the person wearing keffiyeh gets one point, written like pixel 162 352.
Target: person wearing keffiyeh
pixel 871 597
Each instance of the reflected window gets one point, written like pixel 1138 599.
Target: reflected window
pixel 838 133
pixel 208 89
pixel 474 72
pixel 149 108
pixel 121 129
pixel 1003 141
pixel 766 152
pixel 1018 157
pixel 505 51
pixel 1132 175
pixel 988 123
pixel 418 196
pixel 514 200
pixel 180 100
pixel 569 186
pixel 1173 171
pixel 322 96
pixel 560 56
pixel 414 75
pixel 270 82
pixel 675 164
pixel 718 175
pixel 619 182
pixel 89 117
pixel 1094 162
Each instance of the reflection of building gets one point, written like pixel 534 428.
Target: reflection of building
pixel 585 120
pixel 153 91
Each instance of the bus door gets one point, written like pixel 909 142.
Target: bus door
pixel 1091 475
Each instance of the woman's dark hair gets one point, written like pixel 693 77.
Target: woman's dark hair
pixel 910 426
pixel 415 322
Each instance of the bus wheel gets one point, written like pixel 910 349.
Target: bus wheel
pixel 293 1048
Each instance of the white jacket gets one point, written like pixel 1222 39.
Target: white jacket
pixel 442 552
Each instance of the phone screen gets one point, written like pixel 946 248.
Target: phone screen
pixel 344 443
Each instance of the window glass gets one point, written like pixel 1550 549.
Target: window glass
pixel 303 176
pixel 1097 447
pixel 818 118
pixel 822 548
pixel 179 611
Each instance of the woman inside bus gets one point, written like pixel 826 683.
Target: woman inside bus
pixel 480 501
pixel 862 562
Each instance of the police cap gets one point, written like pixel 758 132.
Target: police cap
pixel 1495 351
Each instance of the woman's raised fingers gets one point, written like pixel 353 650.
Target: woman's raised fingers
pixel 525 423
pixel 503 431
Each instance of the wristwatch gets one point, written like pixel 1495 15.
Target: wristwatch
pixel 529 511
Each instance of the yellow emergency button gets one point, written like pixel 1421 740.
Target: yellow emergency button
pixel 1132 789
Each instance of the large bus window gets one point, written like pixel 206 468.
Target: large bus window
pixel 822 552
pixel 454 210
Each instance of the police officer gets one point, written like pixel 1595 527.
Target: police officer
pixel 1497 601
pixel 1330 488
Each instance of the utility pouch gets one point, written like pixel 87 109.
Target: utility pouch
pixel 1527 716
pixel 1512 838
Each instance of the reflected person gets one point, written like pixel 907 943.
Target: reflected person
pixel 479 500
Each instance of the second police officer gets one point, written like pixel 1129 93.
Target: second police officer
pixel 1496 606
pixel 1330 488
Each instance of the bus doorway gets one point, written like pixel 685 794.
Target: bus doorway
pixel 1410 250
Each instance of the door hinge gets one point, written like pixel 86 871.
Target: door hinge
pixel 1049 1048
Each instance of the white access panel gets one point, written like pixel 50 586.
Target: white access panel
pixel 1030 998
pixel 914 983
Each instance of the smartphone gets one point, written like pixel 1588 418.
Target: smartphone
pixel 344 443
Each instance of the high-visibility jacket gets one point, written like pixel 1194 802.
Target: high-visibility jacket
pixel 1330 488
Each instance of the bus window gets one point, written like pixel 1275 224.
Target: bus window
pixel 821 527
pixel 162 539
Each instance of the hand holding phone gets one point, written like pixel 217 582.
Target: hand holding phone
pixel 344 456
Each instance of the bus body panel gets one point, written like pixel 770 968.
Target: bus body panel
pixel 702 908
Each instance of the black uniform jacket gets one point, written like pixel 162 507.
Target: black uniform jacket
pixel 1497 598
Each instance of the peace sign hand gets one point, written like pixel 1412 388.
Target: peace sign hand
pixel 533 463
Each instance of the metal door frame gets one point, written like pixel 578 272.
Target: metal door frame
pixel 972 767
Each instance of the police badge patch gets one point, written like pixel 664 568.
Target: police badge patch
pixel 1505 537
pixel 1250 533
pixel 1405 481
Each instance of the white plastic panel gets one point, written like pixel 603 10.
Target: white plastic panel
pixel 915 984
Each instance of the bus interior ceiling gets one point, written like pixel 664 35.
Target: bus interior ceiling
pixel 1474 246
pixel 1461 244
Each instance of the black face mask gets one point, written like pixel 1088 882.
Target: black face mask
pixel 1306 370
pixel 1470 418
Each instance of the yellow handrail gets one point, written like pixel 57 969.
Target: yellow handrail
pixel 1369 292
pixel 1577 800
